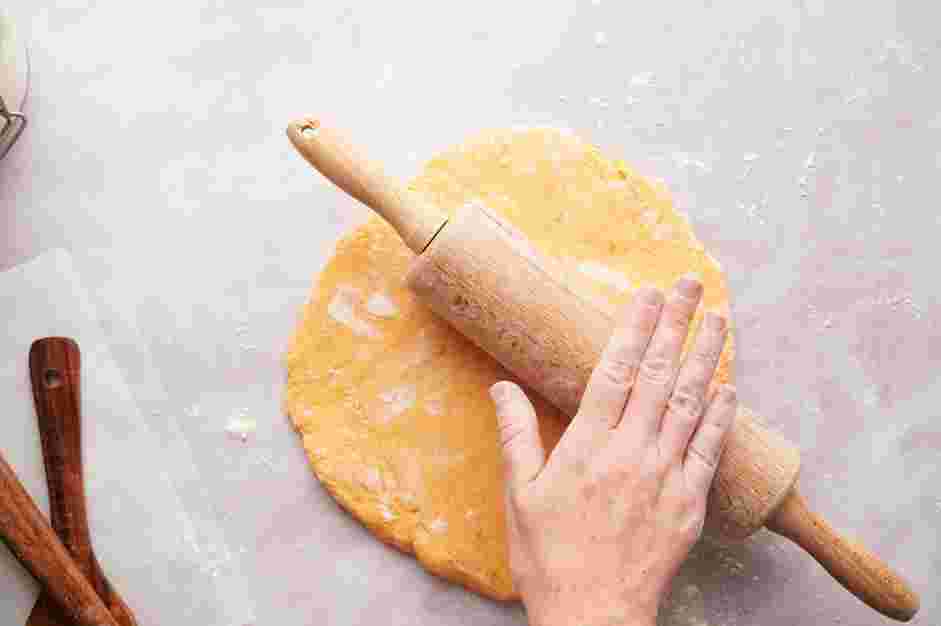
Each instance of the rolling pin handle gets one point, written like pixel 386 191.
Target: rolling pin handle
pixel 861 572
pixel 415 219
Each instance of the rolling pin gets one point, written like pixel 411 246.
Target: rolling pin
pixel 482 275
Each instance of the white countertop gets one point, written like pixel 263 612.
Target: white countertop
pixel 804 140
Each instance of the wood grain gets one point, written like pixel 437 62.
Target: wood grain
pixel 55 373
pixel 415 219
pixel 486 279
pixel 490 283
pixel 33 542
pixel 856 568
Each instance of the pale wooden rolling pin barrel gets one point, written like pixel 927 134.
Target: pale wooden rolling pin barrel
pixel 481 275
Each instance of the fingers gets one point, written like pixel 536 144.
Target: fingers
pixel 523 453
pixel 612 379
pixel 705 449
pixel 688 400
pixel 658 367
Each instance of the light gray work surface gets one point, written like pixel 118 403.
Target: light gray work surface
pixel 803 139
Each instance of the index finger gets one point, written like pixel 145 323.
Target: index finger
pixel 658 367
pixel 613 378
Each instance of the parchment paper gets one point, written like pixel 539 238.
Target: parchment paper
pixel 150 547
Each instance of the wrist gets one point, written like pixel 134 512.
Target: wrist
pixel 610 620
pixel 590 614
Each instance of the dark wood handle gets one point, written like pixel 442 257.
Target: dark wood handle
pixel 862 573
pixel 31 539
pixel 55 373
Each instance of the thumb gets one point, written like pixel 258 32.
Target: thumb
pixel 523 454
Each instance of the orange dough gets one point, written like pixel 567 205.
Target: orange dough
pixel 392 404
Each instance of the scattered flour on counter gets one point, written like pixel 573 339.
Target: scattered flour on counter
pixel 871 396
pixel 898 301
pixel 342 308
pixel 857 94
pixel 644 79
pixel 241 426
pixel 438 526
pixel 380 305
pixel 605 275
pixel 683 159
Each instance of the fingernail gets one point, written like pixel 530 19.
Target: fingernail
pixel 648 294
pixel 498 392
pixel 713 321
pixel 689 286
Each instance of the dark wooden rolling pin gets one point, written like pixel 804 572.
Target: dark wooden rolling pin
pixel 31 539
pixel 484 277
pixel 55 372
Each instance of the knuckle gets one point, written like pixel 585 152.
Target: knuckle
pixel 686 402
pixel 706 459
pixel 706 356
pixel 656 370
pixel 619 369
pixel 676 319
pixel 712 431
pixel 511 433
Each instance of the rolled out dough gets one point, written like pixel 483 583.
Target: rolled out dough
pixel 392 404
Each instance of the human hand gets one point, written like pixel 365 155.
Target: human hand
pixel 597 532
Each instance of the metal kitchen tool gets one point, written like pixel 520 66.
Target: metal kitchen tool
pixel 14 84
pixel 14 123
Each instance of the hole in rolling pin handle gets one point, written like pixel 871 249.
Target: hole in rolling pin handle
pixel 310 130
pixel 52 378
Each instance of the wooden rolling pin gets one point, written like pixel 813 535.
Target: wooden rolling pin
pixel 26 532
pixel 480 274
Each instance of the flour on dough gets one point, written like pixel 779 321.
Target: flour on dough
pixel 392 404
pixel 380 305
